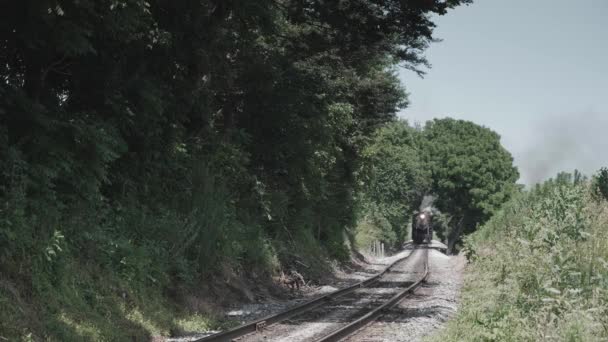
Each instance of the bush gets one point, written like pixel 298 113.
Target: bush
pixel 600 184
pixel 374 227
pixel 539 270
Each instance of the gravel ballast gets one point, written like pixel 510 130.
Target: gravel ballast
pixel 323 320
pixel 425 311
pixel 417 315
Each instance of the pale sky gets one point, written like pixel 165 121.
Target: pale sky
pixel 535 71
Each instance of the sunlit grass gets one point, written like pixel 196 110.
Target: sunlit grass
pixel 539 271
pixel 85 329
pixel 196 323
pixel 149 325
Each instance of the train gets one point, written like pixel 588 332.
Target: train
pixel 422 226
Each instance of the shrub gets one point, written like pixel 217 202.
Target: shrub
pixel 539 270
pixel 600 184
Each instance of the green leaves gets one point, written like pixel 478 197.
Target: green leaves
pixel 54 246
pixel 545 250
pixel 473 175
pixel 600 183
pixel 459 162
pixel 170 139
pixel 393 181
pixel 373 227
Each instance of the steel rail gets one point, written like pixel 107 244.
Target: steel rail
pixel 262 323
pixel 358 324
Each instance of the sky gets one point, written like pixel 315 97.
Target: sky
pixel 536 72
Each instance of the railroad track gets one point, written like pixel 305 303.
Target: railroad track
pixel 348 309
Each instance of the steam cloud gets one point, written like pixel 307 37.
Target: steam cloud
pixel 565 143
pixel 427 202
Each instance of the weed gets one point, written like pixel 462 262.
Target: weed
pixel 539 270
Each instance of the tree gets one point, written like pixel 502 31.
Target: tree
pixel 472 173
pixel 184 130
pixel 394 176
pixel 374 227
pixel 600 183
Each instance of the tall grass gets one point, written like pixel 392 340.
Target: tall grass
pixel 539 270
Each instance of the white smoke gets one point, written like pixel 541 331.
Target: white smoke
pixel 565 143
pixel 427 203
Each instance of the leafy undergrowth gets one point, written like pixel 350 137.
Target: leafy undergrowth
pixel 539 270
pixel 122 270
pixel 88 304
pixel 70 298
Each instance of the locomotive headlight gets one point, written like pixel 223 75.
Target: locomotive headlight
pixel 422 216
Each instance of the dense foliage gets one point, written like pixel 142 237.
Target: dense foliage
pixel 146 144
pixel 460 164
pixel 472 174
pixel 539 269
pixel 394 180
pixel 600 183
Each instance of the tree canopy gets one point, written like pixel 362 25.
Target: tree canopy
pixel 163 141
pixel 472 173
pixel 460 164
pixel 394 175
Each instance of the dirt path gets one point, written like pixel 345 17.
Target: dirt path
pixel 426 310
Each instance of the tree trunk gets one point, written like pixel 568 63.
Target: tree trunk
pixel 454 235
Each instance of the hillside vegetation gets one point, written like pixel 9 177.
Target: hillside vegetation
pixel 539 267
pixel 461 164
pixel 160 155
pixel 155 149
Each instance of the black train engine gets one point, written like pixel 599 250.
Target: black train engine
pixel 422 227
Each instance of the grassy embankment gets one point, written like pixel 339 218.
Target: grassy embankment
pixel 539 270
pixel 126 272
pixel 123 291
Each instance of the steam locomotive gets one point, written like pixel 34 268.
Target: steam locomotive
pixel 422 226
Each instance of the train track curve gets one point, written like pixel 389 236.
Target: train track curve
pixel 342 312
